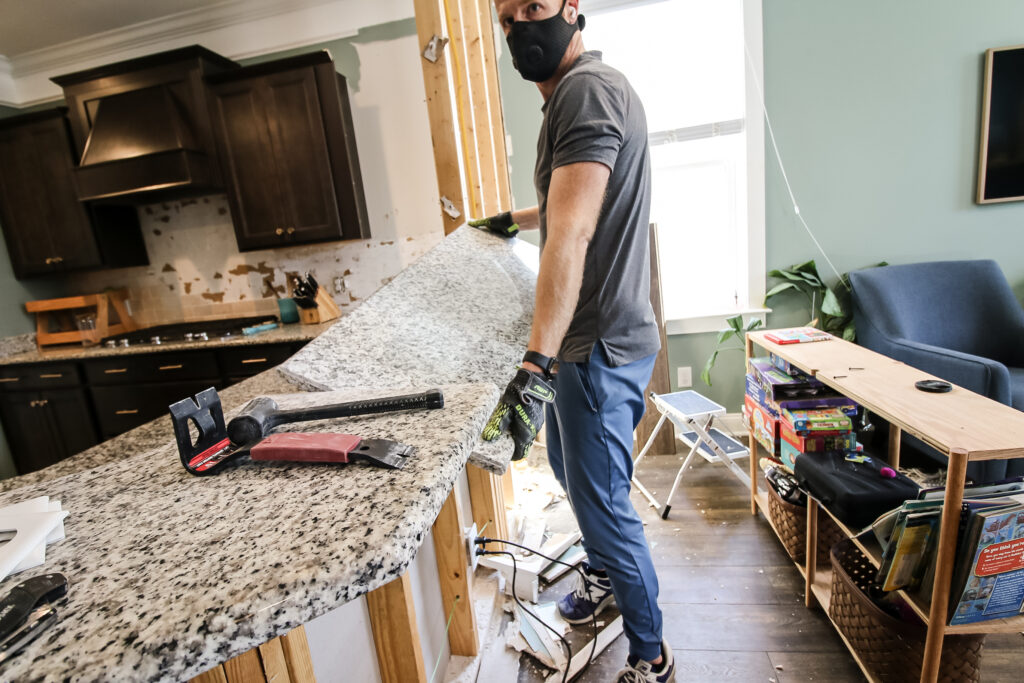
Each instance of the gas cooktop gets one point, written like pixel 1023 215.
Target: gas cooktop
pixel 200 331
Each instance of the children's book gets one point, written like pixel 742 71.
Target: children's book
pixel 909 552
pixel 988 581
pixel 797 335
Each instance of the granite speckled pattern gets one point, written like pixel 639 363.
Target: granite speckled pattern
pixel 18 344
pixel 28 353
pixel 461 313
pixel 152 434
pixel 172 574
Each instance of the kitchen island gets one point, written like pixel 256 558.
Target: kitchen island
pixel 173 574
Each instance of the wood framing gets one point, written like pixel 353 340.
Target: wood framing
pixel 487 496
pixel 280 660
pixel 430 22
pixel 464 105
pixel 395 635
pixel 456 581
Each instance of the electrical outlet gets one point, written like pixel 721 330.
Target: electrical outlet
pixel 471 534
pixel 684 377
pixel 340 285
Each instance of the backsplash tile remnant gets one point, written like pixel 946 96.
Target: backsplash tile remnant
pixel 197 272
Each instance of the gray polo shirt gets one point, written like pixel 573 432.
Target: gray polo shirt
pixel 594 115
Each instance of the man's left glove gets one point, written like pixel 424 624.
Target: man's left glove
pixel 520 411
pixel 500 224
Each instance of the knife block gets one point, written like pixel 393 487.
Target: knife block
pixel 325 309
pixel 55 318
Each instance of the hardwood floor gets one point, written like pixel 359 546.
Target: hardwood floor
pixel 731 599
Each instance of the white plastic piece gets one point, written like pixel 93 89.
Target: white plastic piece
pixel 432 51
pixel 30 530
pixel 471 534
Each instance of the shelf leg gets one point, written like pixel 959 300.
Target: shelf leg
pixel 894 446
pixel 812 550
pixel 944 559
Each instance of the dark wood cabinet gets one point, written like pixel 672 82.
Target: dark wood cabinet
pixel 46 228
pixel 287 147
pixel 44 427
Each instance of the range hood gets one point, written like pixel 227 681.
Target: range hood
pixel 142 127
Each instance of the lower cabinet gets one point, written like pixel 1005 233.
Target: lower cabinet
pixel 44 427
pixel 48 415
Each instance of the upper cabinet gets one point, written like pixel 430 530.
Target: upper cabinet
pixel 46 228
pixel 287 149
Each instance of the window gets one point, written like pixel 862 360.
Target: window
pixel 685 58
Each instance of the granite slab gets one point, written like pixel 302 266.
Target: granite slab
pixel 461 313
pixel 173 574
pixel 22 352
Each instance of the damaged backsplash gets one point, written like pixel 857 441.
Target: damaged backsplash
pixel 197 273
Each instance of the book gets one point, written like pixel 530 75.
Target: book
pixel 988 581
pixel 907 555
pixel 797 335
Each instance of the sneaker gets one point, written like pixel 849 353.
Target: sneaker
pixel 588 599
pixel 640 671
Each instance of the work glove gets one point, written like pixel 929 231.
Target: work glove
pixel 500 224
pixel 520 411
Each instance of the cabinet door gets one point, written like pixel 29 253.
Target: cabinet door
pixel 300 151
pixel 255 194
pixel 45 427
pixel 47 229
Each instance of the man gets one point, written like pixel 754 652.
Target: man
pixel 593 314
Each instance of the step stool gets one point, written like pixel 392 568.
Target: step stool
pixel 692 414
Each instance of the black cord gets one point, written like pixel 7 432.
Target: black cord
pixel 480 540
pixel 565 672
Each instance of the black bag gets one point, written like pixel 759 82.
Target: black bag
pixel 854 490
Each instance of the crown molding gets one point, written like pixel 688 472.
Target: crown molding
pixel 236 29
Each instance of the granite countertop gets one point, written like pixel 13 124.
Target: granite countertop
pixel 283 333
pixel 173 574
pixel 461 313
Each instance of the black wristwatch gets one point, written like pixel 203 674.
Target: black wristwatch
pixel 545 363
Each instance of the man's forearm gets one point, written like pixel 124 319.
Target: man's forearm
pixel 558 286
pixel 528 219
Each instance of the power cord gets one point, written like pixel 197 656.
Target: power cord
pixel 482 541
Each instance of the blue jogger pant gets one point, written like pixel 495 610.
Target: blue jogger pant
pixel 590 448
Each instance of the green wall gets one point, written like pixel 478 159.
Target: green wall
pixel 876 109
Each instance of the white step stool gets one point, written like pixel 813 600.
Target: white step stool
pixel 692 414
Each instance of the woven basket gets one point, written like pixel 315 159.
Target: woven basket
pixel 890 648
pixel 790 522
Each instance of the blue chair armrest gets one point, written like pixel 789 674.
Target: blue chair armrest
pixel 980 375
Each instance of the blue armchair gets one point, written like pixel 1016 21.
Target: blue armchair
pixel 958 320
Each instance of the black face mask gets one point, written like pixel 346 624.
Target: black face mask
pixel 538 46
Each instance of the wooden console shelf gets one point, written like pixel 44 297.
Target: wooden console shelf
pixel 963 425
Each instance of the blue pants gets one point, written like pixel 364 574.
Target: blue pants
pixel 590 448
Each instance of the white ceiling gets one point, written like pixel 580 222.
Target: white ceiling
pixel 34 24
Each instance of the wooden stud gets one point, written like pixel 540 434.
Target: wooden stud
pixel 812 550
pixel 296 655
pixel 937 613
pixel 395 634
pixel 275 667
pixel 483 120
pixel 430 22
pixel 508 488
pixel 457 31
pixel 245 668
pixel 665 443
pixel 487 496
pixel 456 582
pixel 214 675
pixel 497 114
pixel 894 445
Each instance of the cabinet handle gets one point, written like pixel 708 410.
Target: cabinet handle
pixel 50 260
pixel 279 231
pixel 291 231
pixel 39 404
pixel 52 376
pixel 254 360
pixel 133 411
pixel 171 367
pixel 10 379
pixel 115 371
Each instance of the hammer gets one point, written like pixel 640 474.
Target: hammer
pixel 262 415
